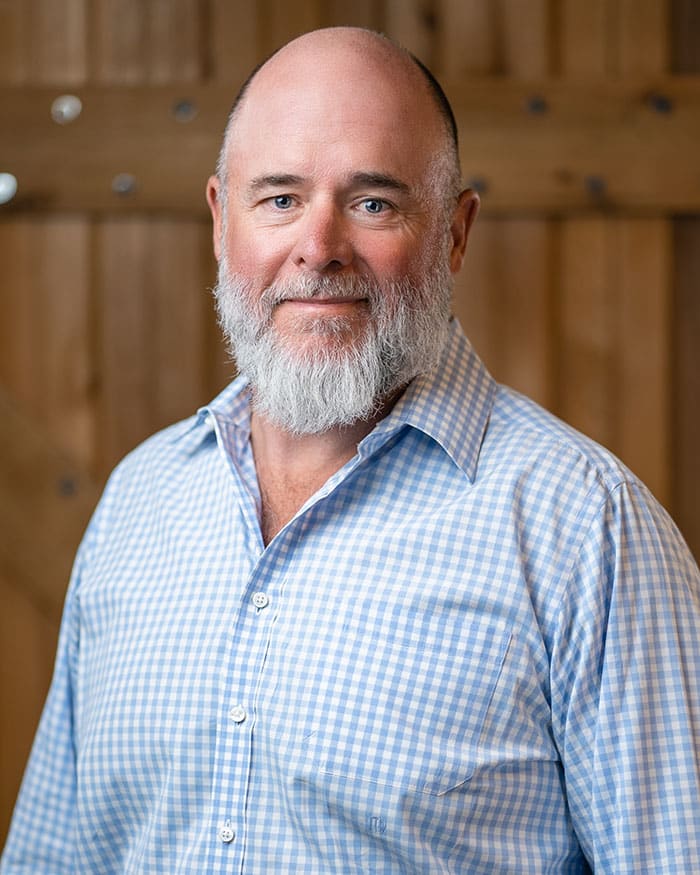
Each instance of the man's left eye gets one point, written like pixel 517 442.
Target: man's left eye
pixel 283 201
pixel 374 205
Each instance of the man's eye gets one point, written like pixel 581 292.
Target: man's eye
pixel 374 205
pixel 283 201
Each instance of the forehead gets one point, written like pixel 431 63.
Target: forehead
pixel 323 108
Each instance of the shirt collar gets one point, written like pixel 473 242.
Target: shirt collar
pixel 230 407
pixel 451 405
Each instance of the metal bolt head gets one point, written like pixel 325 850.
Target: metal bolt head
pixel 124 184
pixel 660 103
pixel 478 184
pixel 66 109
pixel 67 486
pixel 8 187
pixel 185 111
pixel 595 185
pixel 536 104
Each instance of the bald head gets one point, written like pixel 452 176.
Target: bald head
pixel 341 56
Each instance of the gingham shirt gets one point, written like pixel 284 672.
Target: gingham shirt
pixel 475 649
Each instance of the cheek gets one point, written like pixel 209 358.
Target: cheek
pixel 253 256
pixel 410 256
pixel 388 259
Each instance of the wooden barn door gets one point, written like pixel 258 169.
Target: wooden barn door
pixel 580 286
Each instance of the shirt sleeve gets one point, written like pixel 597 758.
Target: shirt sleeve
pixel 626 690
pixel 41 838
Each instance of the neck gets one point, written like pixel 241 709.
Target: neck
pixel 291 467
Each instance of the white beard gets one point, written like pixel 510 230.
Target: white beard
pixel 336 382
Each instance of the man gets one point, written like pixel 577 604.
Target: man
pixel 368 611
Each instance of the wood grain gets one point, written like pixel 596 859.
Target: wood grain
pixel 589 133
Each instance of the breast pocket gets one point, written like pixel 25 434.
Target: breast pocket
pixel 409 714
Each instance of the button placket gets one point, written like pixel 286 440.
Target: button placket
pixel 246 660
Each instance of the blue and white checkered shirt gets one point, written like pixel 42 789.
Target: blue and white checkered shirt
pixel 475 650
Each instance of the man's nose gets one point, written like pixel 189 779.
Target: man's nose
pixel 324 243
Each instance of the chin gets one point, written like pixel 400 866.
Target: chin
pixel 319 334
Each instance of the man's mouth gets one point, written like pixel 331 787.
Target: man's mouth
pixel 321 300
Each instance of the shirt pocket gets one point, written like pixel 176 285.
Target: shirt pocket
pixel 410 714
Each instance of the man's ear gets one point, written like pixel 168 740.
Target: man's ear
pixel 463 218
pixel 214 201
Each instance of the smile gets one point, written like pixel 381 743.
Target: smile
pixel 323 306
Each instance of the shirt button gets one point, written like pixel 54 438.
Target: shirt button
pixel 260 600
pixel 237 714
pixel 226 834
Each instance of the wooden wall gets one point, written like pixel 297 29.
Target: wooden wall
pixel 579 121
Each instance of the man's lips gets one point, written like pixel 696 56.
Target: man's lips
pixel 324 301
pixel 319 307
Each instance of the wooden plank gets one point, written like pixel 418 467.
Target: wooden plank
pixel 14 26
pixel 118 41
pixel 643 36
pixel 487 37
pixel 45 335
pixel 175 41
pixel 178 317
pixel 608 389
pixel 503 300
pixel 56 41
pixel 527 38
pixel 525 316
pixel 468 39
pixel 125 337
pixel 356 13
pixel 686 318
pixel 62 341
pixel 588 134
pixel 235 41
pixel 584 41
pixel 413 23
pixel 507 37
pixel 685 36
pixel 686 344
pixel 153 324
pixel 282 21
pixel 155 41
pixel 644 288
pixel 45 496
pixel 586 396
pixel 20 370
pixel 643 370
pixel 587 304
pixel 27 643
pixel 45 502
pixel 476 301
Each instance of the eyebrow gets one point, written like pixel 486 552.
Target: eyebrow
pixel 273 180
pixel 378 180
pixel 357 180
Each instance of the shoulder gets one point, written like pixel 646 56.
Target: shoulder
pixel 520 427
pixel 147 478
pixel 576 508
pixel 158 457
pixel 550 466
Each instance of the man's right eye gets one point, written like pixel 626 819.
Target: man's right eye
pixel 282 201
